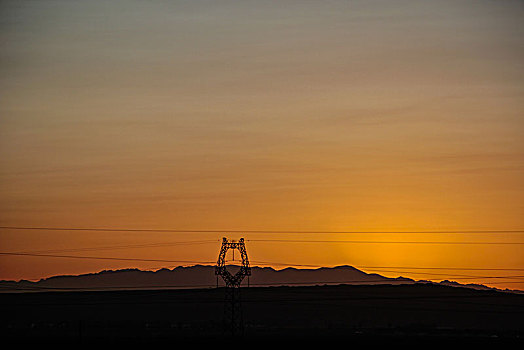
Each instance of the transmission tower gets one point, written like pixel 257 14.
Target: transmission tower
pixel 233 321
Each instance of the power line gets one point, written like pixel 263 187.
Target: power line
pixel 447 275
pixel 431 273
pixel 254 261
pixel 377 268
pixel 101 229
pixel 443 268
pixel 158 244
pixel 201 242
pixel 393 267
pixel 104 258
pixel 380 242
pixel 208 262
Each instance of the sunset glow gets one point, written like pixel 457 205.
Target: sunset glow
pixel 347 118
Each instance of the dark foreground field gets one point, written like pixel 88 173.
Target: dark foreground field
pixel 324 313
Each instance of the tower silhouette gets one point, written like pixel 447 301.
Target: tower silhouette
pixel 233 320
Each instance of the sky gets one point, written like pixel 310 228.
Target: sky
pixel 263 115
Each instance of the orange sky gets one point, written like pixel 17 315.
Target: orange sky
pixel 263 115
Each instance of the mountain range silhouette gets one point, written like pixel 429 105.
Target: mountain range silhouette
pixel 202 276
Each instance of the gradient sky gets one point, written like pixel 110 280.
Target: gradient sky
pixel 262 115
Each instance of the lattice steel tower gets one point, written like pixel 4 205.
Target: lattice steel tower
pixel 233 321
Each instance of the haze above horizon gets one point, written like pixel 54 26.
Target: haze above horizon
pixel 338 117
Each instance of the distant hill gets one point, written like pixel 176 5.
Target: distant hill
pixel 201 276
